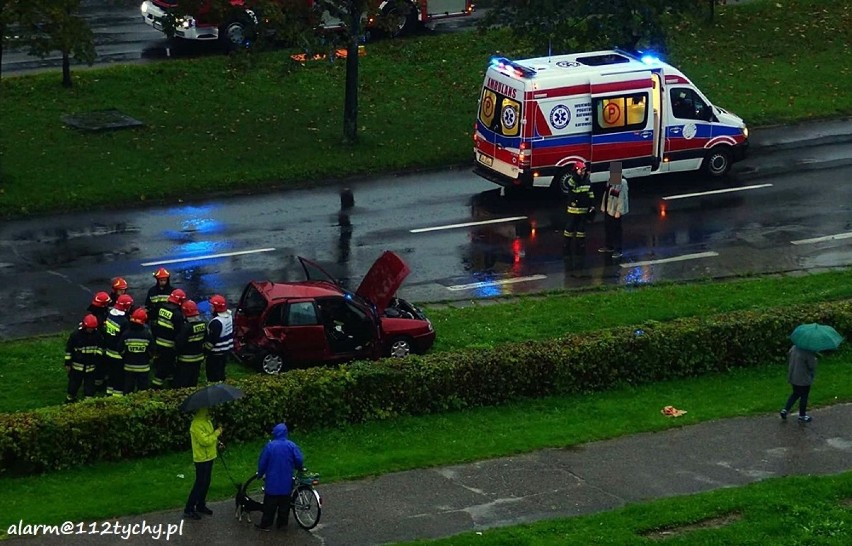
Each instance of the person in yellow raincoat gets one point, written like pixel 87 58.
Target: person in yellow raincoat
pixel 204 444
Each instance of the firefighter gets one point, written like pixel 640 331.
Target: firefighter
pixel 578 190
pixel 136 347
pixel 165 327
pixel 220 339
pixel 114 327
pixel 83 352
pixel 100 308
pixel 119 288
pixel 159 293
pixel 189 346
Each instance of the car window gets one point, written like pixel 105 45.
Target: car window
pixel 253 302
pixel 686 104
pixel 275 316
pixel 302 313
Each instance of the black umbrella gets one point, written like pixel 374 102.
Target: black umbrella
pixel 210 396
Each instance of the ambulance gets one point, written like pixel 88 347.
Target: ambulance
pixel 538 116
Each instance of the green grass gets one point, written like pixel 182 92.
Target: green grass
pixel 34 366
pixel 777 512
pixel 405 443
pixel 213 127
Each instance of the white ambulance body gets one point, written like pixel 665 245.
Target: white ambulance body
pixel 538 115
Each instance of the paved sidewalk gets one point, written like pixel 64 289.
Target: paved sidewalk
pixel 552 483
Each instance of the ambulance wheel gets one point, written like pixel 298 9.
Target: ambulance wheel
pixel 718 161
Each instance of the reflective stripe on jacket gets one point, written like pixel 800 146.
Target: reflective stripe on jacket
pixel 220 333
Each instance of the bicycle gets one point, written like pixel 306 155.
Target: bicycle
pixel 305 500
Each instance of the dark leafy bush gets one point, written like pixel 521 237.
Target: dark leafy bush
pixel 148 423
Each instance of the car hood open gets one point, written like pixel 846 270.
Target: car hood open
pixel 379 284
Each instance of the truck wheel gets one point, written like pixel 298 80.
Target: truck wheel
pixel 402 18
pixel 238 33
pixel 718 161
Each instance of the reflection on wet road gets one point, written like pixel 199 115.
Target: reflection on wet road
pixel 461 237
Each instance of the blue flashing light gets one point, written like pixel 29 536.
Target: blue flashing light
pixel 650 59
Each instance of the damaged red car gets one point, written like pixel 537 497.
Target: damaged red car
pixel 284 325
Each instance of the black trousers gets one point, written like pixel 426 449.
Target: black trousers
pixel 273 504
pixel 134 380
pixel 76 378
pixel 800 393
pixel 115 375
pixel 612 232
pixel 164 366
pixel 215 366
pixel 198 495
pixel 186 374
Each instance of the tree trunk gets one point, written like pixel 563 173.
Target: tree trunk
pixel 350 103
pixel 66 69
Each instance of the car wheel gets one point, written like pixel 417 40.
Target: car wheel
pixel 400 347
pixel 272 363
pixel 718 161
pixel 238 33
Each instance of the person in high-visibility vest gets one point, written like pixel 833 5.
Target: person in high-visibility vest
pixel 136 348
pixel 220 339
pixel 578 190
pixel 165 327
pixel 189 345
pixel 83 353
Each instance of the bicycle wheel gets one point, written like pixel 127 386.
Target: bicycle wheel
pixel 307 506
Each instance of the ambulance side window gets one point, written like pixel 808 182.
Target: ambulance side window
pixel 686 104
pixel 620 113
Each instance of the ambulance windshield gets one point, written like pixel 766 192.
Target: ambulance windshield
pixel 499 111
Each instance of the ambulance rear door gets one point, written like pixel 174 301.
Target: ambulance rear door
pixel 499 123
pixel 622 123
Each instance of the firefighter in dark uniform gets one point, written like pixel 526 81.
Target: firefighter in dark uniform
pixel 119 288
pixel 136 347
pixel 165 328
pixel 189 345
pixel 100 308
pixel 83 353
pixel 115 325
pixel 220 339
pixel 159 293
pixel 578 190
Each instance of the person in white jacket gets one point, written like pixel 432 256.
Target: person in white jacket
pixel 614 205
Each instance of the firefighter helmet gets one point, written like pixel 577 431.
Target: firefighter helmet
pixel 580 165
pixel 90 321
pixel 177 296
pixel 140 316
pixel 124 302
pixel 189 308
pixel 119 284
pixel 218 303
pixel 162 273
pixel 101 299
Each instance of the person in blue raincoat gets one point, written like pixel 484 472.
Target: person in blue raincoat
pixel 278 460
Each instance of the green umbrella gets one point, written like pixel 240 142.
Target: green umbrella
pixel 816 337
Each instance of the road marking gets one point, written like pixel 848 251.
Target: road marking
pixel 673 259
pixel 836 237
pixel 483 284
pixel 208 257
pixel 714 192
pixel 467 224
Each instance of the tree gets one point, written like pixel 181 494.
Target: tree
pixel 574 25
pixel 55 25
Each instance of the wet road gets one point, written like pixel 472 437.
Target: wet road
pixel 772 222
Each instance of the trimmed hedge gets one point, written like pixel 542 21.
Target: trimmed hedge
pixel 148 423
